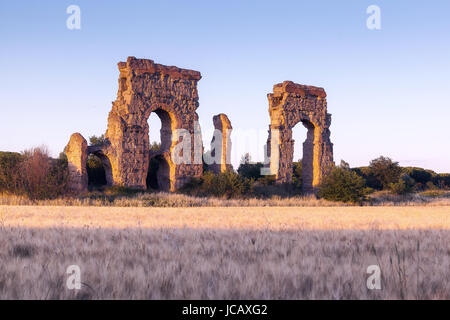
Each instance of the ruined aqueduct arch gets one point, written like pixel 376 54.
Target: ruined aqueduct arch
pixel 289 104
pixel 145 87
pixel 171 92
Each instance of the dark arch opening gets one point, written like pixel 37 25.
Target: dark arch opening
pixel 96 172
pixel 99 170
pixel 158 177
pixel 152 179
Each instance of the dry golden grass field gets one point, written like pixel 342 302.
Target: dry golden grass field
pixel 225 253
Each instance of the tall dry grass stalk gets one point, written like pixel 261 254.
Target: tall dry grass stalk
pixel 163 199
pixel 225 253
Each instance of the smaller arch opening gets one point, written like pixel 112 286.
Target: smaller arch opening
pixel 99 171
pixel 154 129
pixel 96 172
pixel 162 122
pixel 158 174
pixel 158 177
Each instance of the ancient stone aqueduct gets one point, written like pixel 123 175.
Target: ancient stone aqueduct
pixel 171 92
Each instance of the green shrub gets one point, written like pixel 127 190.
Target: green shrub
pixel 9 171
pixel 227 185
pixel 442 180
pixel 419 175
pixel 97 141
pixel 250 170
pixel 430 186
pixel 343 185
pixel 371 181
pixel 267 180
pixel 155 146
pixel 404 185
pixel 120 191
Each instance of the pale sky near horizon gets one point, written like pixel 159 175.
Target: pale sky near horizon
pixel 388 90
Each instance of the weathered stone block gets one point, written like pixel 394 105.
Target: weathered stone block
pixel 76 152
pixel 221 147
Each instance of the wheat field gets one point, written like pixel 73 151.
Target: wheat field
pixel 225 253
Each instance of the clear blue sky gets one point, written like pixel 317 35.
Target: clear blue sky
pixel 388 89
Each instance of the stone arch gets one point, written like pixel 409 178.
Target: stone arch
pixel 76 152
pixel 146 87
pixel 168 125
pixel 290 104
pixel 166 169
pixel 170 92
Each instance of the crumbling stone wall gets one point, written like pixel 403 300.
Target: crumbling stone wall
pixel 289 104
pixel 221 144
pixel 170 92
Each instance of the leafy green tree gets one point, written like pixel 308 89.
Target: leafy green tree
pixel 97 141
pixel 155 146
pixel 224 185
pixel 404 185
pixel 249 170
pixel 297 174
pixel 419 175
pixel 443 180
pixel 385 171
pixel 343 184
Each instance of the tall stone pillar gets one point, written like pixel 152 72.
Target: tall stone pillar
pixel 221 144
pixel 76 152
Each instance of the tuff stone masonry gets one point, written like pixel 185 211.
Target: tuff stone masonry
pixel 76 152
pixel 146 87
pixel 289 104
pixel 221 149
pixel 171 93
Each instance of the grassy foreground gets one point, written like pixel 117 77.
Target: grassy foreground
pixel 224 253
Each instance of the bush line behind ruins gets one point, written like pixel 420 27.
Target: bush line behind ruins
pixel 34 175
